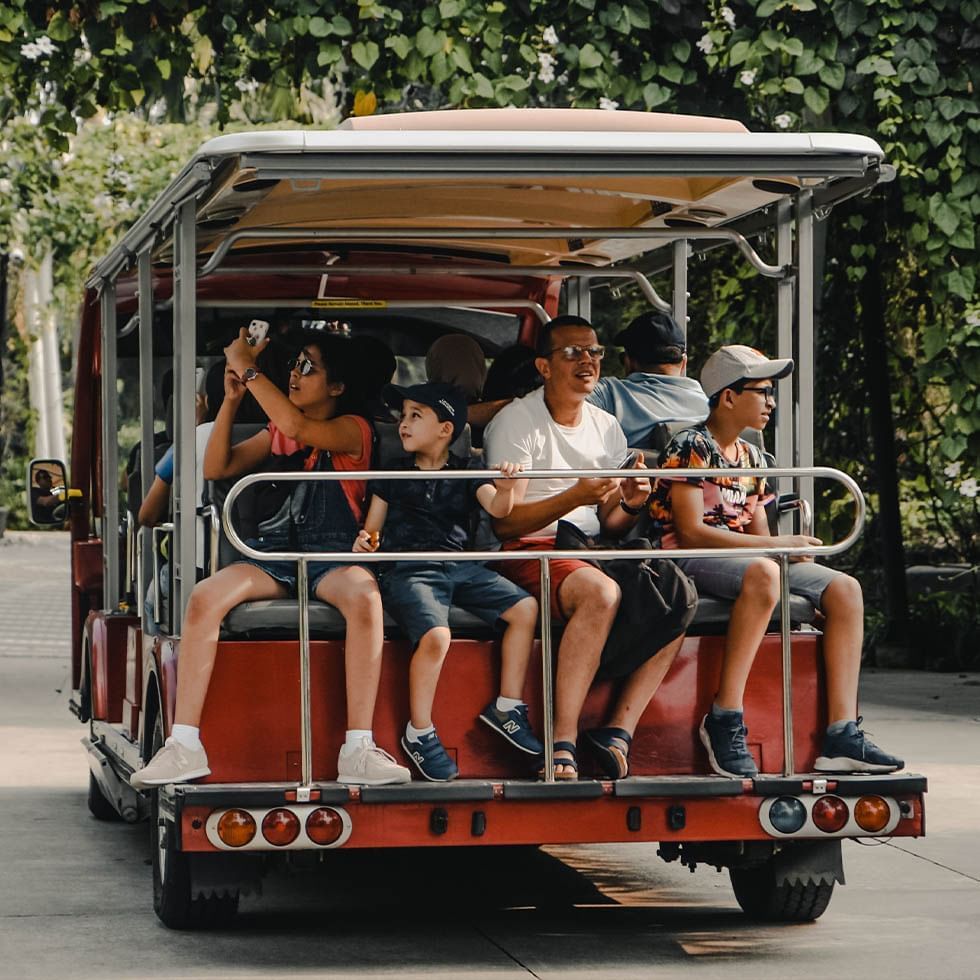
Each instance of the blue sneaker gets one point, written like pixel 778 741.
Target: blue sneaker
pixel 724 738
pixel 430 758
pixel 852 751
pixel 514 727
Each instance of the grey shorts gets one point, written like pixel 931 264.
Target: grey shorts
pixel 722 577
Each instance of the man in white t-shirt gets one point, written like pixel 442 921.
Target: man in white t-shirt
pixel 555 428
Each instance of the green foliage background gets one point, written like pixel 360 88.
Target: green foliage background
pixel 123 73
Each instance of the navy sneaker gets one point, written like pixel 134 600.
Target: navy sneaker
pixel 724 738
pixel 430 758
pixel 852 751
pixel 514 727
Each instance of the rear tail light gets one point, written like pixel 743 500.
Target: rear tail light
pixel 787 814
pixel 872 813
pixel 280 827
pixel 236 828
pixel 830 813
pixel 324 825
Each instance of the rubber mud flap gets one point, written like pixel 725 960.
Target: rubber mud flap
pixel 803 862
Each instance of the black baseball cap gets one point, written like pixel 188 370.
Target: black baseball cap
pixel 447 401
pixel 653 337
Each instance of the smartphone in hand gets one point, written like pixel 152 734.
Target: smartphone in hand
pixel 257 332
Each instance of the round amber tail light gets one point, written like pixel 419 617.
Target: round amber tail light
pixel 872 813
pixel 236 828
pixel 280 827
pixel 830 814
pixel 324 826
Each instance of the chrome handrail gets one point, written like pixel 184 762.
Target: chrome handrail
pixel 782 554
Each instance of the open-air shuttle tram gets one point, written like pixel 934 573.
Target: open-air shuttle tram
pixel 408 226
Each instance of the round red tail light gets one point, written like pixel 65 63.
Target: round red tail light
pixel 830 814
pixel 280 827
pixel 872 813
pixel 324 826
pixel 236 828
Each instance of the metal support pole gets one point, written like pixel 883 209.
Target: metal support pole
pixel 784 447
pixel 306 723
pixel 110 451
pixel 547 684
pixel 145 286
pixel 579 298
pixel 789 757
pixel 804 339
pixel 183 558
pixel 680 284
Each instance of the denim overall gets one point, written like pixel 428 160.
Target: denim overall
pixel 321 520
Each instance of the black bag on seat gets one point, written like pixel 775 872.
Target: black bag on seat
pixel 270 508
pixel 657 606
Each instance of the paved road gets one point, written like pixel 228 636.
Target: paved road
pixel 75 893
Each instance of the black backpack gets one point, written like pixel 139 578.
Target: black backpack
pixel 657 606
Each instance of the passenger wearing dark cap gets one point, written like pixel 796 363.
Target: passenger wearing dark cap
pixel 437 515
pixel 655 388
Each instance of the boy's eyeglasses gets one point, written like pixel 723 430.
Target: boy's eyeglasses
pixel 768 392
pixel 573 352
pixel 302 365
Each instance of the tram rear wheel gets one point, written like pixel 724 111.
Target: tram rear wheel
pixel 762 898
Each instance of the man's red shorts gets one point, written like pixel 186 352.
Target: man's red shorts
pixel 527 574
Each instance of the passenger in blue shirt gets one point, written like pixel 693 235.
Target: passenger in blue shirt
pixel 655 389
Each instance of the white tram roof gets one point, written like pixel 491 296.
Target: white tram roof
pixel 489 168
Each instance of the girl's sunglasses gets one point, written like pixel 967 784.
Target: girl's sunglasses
pixel 302 365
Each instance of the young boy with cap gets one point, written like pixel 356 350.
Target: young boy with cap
pixel 728 512
pixel 437 515
pixel 655 388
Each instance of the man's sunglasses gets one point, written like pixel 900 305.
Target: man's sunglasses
pixel 302 365
pixel 574 353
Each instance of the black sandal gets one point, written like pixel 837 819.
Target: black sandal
pixel 571 763
pixel 613 761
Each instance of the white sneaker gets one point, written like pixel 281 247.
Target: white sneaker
pixel 366 765
pixel 174 763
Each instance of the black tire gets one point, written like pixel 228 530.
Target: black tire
pixel 98 805
pixel 172 899
pixel 761 898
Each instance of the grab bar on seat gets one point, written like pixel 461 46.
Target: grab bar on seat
pixel 781 555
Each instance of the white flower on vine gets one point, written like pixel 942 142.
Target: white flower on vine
pixel 748 76
pixel 969 488
pixel 546 67
pixel 973 319
pixel 728 16
pixel 783 121
pixel 550 36
pixel 6 185
pixel 706 45
pixel 609 104
pixel 17 254
pixel 247 85
pixel 953 469
pixel 615 58
pixel 43 47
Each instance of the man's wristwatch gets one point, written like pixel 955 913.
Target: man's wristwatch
pixel 632 511
pixel 250 374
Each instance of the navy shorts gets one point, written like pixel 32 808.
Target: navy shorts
pixel 418 594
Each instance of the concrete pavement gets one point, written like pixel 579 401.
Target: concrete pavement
pixel 75 893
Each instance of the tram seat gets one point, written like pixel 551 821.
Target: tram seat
pixel 279 618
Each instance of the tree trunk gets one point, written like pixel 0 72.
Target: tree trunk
pixel 876 345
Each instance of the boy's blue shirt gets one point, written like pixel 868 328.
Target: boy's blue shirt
pixel 429 515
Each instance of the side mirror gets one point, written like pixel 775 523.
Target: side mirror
pixel 48 493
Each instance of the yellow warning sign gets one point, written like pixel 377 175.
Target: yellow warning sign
pixel 349 304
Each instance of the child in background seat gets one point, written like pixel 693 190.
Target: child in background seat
pixel 436 515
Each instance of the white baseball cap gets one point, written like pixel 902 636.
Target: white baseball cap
pixel 729 365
